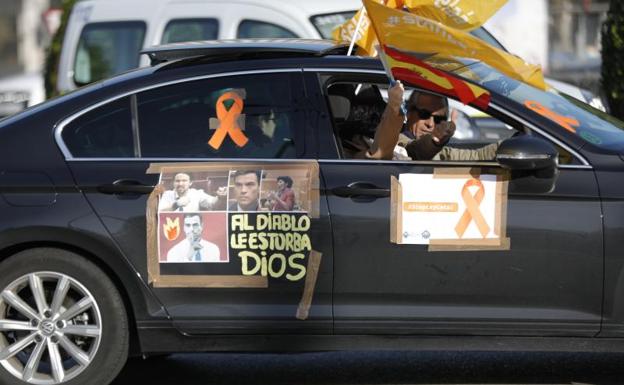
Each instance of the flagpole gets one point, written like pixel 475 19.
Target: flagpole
pixel 357 29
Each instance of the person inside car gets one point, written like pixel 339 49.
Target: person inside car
pixel 185 198
pixel 423 133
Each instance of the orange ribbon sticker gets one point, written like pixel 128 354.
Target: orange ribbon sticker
pixel 228 121
pixel 472 212
pixel 564 121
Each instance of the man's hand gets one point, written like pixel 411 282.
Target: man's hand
pixel 182 201
pixel 395 97
pixel 443 132
pixel 222 191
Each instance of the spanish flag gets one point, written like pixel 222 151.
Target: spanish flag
pixel 407 67
pixel 412 33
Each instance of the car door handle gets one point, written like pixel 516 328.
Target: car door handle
pixel 361 189
pixel 125 186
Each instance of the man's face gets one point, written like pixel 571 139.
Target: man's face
pixel 181 183
pixel 247 189
pixel 193 228
pixel 423 113
pixel 281 184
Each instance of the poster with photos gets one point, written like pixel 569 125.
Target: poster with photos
pixel 236 224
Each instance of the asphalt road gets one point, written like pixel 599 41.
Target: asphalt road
pixel 381 367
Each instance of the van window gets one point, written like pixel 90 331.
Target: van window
pixel 249 29
pixel 190 29
pixel 325 24
pixel 106 49
pixel 105 132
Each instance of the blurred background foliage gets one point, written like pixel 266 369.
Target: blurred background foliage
pixel 613 58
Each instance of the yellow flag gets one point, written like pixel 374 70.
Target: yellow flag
pixel 366 39
pixel 411 33
pixel 460 14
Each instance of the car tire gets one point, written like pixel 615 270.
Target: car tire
pixel 74 332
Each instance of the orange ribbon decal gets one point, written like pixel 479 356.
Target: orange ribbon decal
pixel 228 124
pixel 472 212
pixel 564 121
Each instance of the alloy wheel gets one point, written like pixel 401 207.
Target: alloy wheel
pixel 50 328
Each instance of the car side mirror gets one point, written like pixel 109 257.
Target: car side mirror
pixel 525 152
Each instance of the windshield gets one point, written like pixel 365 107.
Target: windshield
pixel 592 125
pixel 325 24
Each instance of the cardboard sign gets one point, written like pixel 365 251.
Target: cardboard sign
pixel 231 224
pixel 452 209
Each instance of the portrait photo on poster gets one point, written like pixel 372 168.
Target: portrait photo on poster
pixel 285 190
pixel 198 237
pixel 187 191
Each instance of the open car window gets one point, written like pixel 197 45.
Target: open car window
pixel 357 109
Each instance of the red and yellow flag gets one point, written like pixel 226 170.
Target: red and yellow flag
pixel 412 33
pixel 415 71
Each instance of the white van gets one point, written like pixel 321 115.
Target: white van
pixel 104 37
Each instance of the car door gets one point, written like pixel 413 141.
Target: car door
pixel 549 281
pixel 111 145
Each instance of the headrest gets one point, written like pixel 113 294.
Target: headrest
pixel 340 106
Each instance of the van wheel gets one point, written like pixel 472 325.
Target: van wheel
pixel 62 320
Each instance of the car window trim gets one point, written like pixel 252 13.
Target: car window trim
pixel 248 160
pixel 435 163
pixel 584 163
pixel 134 112
pixel 58 132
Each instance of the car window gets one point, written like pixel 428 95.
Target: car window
pixel 575 117
pixel 249 29
pixel 486 36
pixel 104 132
pixel 180 30
pixel 357 109
pixel 180 121
pixel 106 49
pixel 325 24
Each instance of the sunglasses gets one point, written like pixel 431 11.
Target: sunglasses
pixel 426 114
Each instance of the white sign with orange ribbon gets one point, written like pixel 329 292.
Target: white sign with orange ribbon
pixel 448 208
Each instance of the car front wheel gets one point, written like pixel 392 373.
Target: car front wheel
pixel 62 320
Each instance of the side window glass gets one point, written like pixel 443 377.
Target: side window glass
pixel 249 29
pixel 190 29
pixel 474 126
pixel 252 116
pixel 106 49
pixel 105 132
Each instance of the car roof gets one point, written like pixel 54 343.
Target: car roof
pixel 240 47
